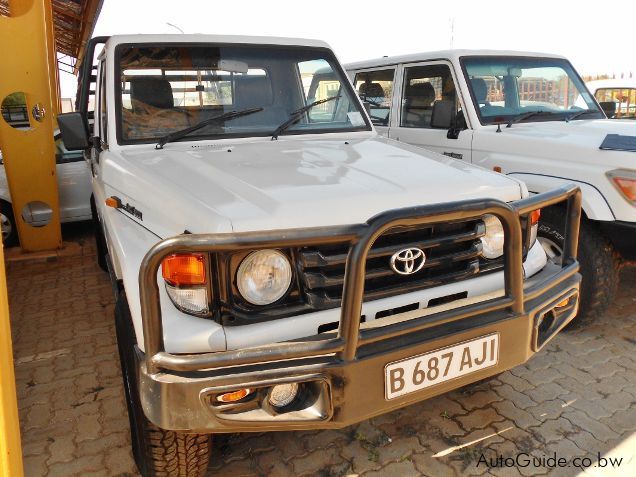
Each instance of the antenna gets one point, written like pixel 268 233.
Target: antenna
pixel 175 26
pixel 452 31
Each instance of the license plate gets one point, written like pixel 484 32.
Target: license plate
pixel 435 367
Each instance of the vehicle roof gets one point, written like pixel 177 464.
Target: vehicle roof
pixel 454 54
pixel 611 83
pixel 201 38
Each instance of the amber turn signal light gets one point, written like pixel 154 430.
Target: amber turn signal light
pixel 234 395
pixel 184 269
pixel 534 216
pixel 113 202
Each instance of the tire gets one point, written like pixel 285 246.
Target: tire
pixel 100 241
pixel 8 226
pixel 157 452
pixel 599 261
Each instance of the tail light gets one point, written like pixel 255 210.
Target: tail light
pixel 186 280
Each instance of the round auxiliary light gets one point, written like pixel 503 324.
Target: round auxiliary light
pixel 493 241
pixel 264 277
pixel 282 395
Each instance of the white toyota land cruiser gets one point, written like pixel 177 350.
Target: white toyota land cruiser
pixel 528 115
pixel 279 265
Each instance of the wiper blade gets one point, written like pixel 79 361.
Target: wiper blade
pixel 579 113
pixel 524 116
pixel 173 136
pixel 296 115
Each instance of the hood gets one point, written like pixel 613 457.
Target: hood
pixel 576 141
pixel 289 183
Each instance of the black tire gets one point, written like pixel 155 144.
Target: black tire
pixel 158 452
pixel 599 261
pixel 9 227
pixel 100 241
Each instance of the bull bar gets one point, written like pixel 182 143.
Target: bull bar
pixel 341 349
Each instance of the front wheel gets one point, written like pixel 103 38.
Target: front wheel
pixel 100 241
pixel 158 452
pixel 599 262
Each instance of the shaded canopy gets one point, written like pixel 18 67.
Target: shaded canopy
pixel 74 21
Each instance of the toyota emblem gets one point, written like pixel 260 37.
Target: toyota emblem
pixel 408 261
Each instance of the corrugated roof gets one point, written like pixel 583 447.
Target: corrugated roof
pixel 74 21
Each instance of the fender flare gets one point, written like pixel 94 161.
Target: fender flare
pixel 595 205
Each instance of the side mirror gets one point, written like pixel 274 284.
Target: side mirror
pixel 367 107
pixel 443 115
pixel 609 108
pixel 74 131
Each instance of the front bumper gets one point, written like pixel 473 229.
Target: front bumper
pixel 342 375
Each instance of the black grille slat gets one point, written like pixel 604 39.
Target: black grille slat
pixel 453 253
pixel 321 280
pixel 324 298
pixel 316 258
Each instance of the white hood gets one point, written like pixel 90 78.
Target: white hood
pixel 289 183
pixel 575 141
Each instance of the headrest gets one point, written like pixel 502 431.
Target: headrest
pixel 480 89
pixel 253 92
pixel 151 91
pixel 420 94
pixel 371 90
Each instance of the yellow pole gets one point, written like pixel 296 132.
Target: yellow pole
pixel 28 65
pixel 10 451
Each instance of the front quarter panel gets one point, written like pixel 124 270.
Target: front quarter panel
pixel 128 242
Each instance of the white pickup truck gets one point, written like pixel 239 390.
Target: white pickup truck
pixel 527 115
pixel 278 264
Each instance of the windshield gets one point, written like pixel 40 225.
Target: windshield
pixel 165 89
pixel 503 88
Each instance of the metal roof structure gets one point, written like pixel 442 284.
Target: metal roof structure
pixel 74 21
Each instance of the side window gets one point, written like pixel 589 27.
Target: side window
pixel 103 116
pixel 423 86
pixel 623 98
pixel 376 88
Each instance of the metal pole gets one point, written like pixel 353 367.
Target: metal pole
pixel 10 450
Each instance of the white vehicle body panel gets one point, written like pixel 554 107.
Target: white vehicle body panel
pixel 74 188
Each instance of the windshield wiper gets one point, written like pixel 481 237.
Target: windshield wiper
pixel 296 115
pixel 173 136
pixel 579 113
pixel 523 116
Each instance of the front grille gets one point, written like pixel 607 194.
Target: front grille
pixel 453 252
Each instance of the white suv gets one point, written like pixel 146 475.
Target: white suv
pixel 278 264
pixel 527 115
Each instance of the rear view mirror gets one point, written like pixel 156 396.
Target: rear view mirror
pixel 609 108
pixel 74 131
pixel 443 115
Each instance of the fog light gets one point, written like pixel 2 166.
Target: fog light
pixel 234 395
pixel 563 303
pixel 282 395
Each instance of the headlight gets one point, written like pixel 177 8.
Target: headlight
pixel 264 277
pixel 493 241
